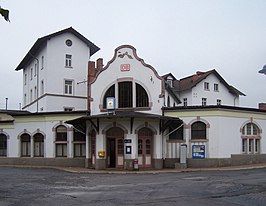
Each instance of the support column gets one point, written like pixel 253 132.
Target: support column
pixel 88 152
pixel 31 147
pixel 70 143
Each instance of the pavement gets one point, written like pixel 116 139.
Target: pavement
pixel 83 170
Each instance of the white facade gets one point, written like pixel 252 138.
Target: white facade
pixel 210 90
pixel 147 123
pixel 224 134
pixel 45 75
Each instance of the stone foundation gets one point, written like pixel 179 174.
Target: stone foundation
pixel 38 161
pixel 100 164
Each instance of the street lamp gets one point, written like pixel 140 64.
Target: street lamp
pixel 263 70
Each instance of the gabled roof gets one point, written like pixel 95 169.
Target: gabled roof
pixel 42 41
pixel 191 81
pixel 167 75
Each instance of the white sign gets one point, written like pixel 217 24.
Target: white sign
pixel 110 103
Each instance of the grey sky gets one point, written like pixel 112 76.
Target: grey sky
pixel 177 36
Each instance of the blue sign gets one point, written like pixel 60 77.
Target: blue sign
pixel 198 151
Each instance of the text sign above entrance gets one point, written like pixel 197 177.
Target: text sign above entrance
pixel 125 67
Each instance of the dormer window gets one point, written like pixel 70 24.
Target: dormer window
pixel 170 82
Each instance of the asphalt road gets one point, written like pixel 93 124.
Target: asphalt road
pixel 33 186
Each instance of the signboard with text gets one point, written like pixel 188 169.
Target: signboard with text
pixel 125 67
pixel 198 151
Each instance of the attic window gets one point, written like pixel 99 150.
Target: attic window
pixel 170 82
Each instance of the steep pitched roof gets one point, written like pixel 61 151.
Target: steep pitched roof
pixel 41 42
pixel 191 81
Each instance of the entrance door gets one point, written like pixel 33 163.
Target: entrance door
pixel 115 147
pixel 145 147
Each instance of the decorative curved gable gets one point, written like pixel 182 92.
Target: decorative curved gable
pixel 126 54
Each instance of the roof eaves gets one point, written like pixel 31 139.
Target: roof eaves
pixel 41 41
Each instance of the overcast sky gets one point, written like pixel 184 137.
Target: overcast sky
pixel 177 36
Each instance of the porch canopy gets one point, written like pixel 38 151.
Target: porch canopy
pixel 163 121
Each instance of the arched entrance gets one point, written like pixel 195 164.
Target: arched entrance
pixel 115 147
pixel 145 147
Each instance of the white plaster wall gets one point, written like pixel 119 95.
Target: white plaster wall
pixel 197 93
pixel 45 126
pixel 56 70
pixel 138 73
pixel 224 136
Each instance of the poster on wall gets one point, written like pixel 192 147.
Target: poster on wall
pixel 198 151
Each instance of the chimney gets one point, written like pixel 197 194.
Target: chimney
pixel 99 64
pixel 91 75
pixel 262 106
pixel 91 71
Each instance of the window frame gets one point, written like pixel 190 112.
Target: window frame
pixel 184 102
pixel 68 60
pixel 251 139
pixel 206 86
pixel 196 131
pixel 216 87
pixel 204 101
pixel 68 88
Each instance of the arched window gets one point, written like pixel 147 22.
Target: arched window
pixel 38 145
pixel 79 144
pixel 124 95
pixel 3 145
pixel 142 99
pixel 250 139
pixel 198 130
pixel 61 141
pixel 25 145
pixel 109 93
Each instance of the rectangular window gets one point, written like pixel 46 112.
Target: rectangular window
pixel 244 145
pixel 170 82
pixel 42 87
pixel 35 69
pixel 25 99
pixel 31 73
pixel 68 60
pixel 42 62
pixel 257 145
pixel 25 79
pixel 251 145
pixel 206 86
pixel 204 101
pixel 176 132
pixel 219 102
pixel 216 87
pixel 68 109
pixel 61 150
pixel 68 87
pixel 125 94
pixel 185 102
pixel 31 95
pixel 80 150
pixel 35 92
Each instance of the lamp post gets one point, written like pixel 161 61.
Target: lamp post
pixel 6 102
pixel 263 70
